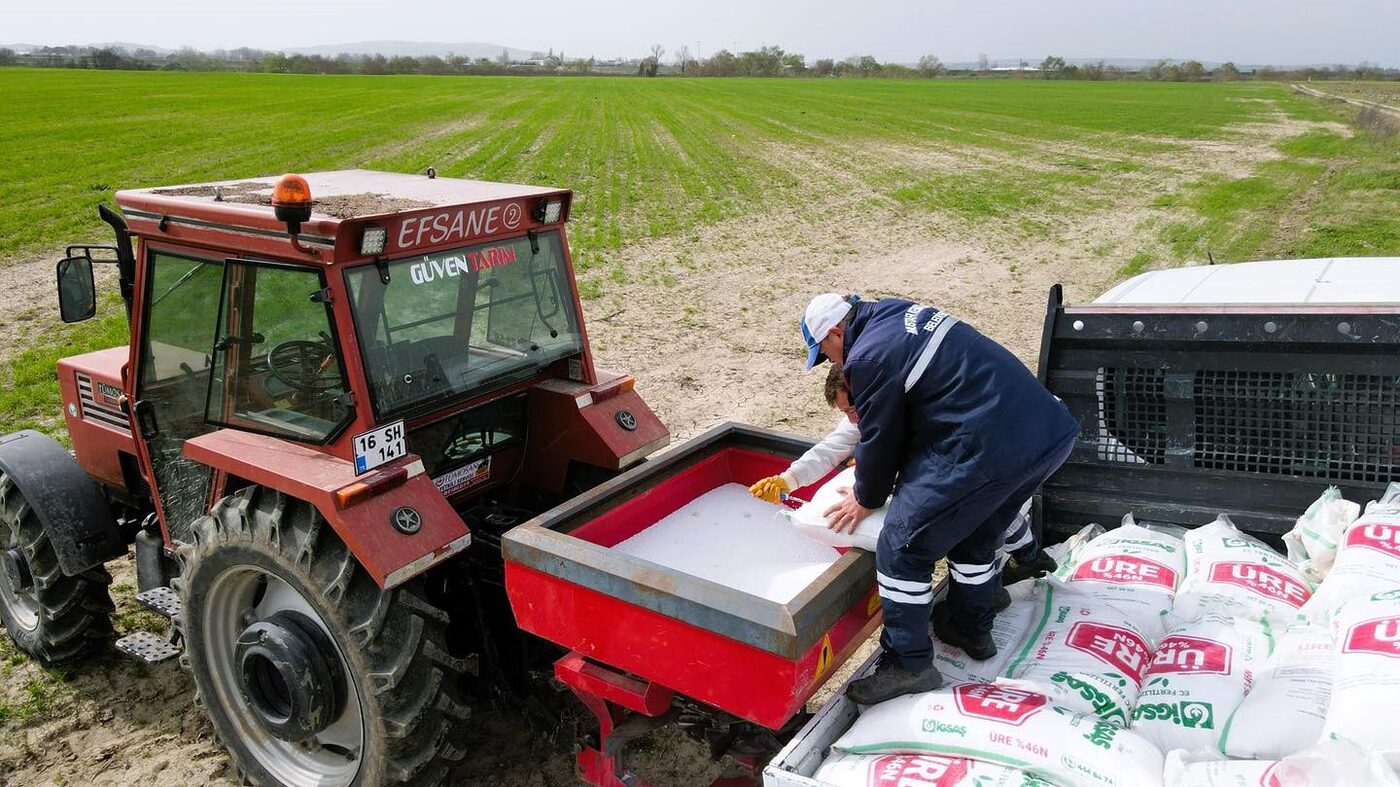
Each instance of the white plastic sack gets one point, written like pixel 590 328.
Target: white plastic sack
pixel 1083 654
pixel 1367 562
pixel 1231 573
pixel 1065 552
pixel 1200 674
pixel 1008 632
pixel 918 770
pixel 1283 713
pixel 810 522
pixel 1134 568
pixel 1366 686
pixel 1006 726
pixel 1331 763
pixel 1312 543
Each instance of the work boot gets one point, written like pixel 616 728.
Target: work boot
pixel 1016 571
pixel 889 680
pixel 1001 599
pixel 978 647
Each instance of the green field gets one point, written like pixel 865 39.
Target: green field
pixel 647 157
pixel 660 158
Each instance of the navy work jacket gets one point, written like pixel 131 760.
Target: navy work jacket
pixel 974 416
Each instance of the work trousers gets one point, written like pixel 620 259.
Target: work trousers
pixel 1019 540
pixel 970 535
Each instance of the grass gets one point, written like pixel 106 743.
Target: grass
pixel 43 693
pixel 665 158
pixel 646 157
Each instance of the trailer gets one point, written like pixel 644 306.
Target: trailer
pixel 1233 389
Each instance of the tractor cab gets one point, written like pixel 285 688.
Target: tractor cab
pixel 366 316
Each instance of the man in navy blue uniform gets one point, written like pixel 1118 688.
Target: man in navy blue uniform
pixel 961 433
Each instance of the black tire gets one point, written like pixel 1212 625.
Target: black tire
pixel 397 670
pixel 56 619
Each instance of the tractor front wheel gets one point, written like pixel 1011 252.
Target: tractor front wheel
pixel 52 617
pixel 312 674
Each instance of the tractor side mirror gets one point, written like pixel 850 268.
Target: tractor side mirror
pixel 77 293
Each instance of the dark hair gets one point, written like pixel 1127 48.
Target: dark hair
pixel 835 384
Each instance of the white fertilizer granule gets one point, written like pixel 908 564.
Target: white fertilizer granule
pixel 729 537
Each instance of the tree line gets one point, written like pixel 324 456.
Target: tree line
pixel 766 61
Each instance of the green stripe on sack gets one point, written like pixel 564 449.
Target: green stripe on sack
pixel 1225 732
pixel 1034 636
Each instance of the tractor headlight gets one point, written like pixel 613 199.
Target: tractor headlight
pixel 549 211
pixel 372 241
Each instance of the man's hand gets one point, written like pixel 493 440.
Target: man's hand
pixel 770 489
pixel 846 516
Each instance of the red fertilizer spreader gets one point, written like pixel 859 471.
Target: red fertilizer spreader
pixel 651 645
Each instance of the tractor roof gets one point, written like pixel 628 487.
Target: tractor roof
pixel 239 212
pixel 343 194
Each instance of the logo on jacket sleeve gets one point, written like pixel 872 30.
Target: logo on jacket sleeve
pixel 1194 655
pixel 1261 580
pixel 997 703
pixel 1381 636
pixel 1119 648
pixel 917 770
pixel 1126 570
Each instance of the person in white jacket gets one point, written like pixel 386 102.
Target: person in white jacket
pixel 1020 555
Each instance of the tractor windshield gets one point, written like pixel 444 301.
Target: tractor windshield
pixel 461 321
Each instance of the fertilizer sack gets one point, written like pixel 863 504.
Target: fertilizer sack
pixel 918 770
pixel 1312 543
pixel 1083 654
pixel 1230 573
pixel 1008 632
pixel 1284 712
pixel 1066 553
pixel 1368 558
pixel 1328 764
pixel 1366 685
pixel 1134 568
pixel 811 522
pixel 1009 727
pixel 1200 674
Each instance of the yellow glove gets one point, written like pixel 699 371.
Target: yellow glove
pixel 770 489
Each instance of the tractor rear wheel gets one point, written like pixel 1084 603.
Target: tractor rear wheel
pixel 52 617
pixel 311 673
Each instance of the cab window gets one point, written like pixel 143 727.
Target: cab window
pixel 277 368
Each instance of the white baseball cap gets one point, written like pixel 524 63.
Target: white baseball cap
pixel 825 312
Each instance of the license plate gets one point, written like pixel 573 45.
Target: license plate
pixel 377 446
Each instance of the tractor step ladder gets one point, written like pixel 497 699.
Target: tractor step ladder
pixel 162 600
pixel 147 646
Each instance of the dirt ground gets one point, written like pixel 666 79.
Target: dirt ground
pixel 707 323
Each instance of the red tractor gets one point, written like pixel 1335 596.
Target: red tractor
pixel 340 391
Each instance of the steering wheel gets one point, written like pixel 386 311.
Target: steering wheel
pixel 302 364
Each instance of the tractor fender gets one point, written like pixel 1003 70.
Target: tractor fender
pixel 395 534
pixel 70 505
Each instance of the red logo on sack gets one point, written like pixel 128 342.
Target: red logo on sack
pixel 1261 579
pixel 1179 653
pixel 1381 635
pixel 1127 570
pixel 917 770
pixel 998 703
pixel 1381 537
pixel 1119 648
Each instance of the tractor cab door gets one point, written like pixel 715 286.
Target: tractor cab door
pixel 173 361
pixel 240 344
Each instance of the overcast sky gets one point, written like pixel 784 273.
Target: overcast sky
pixel 1245 31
